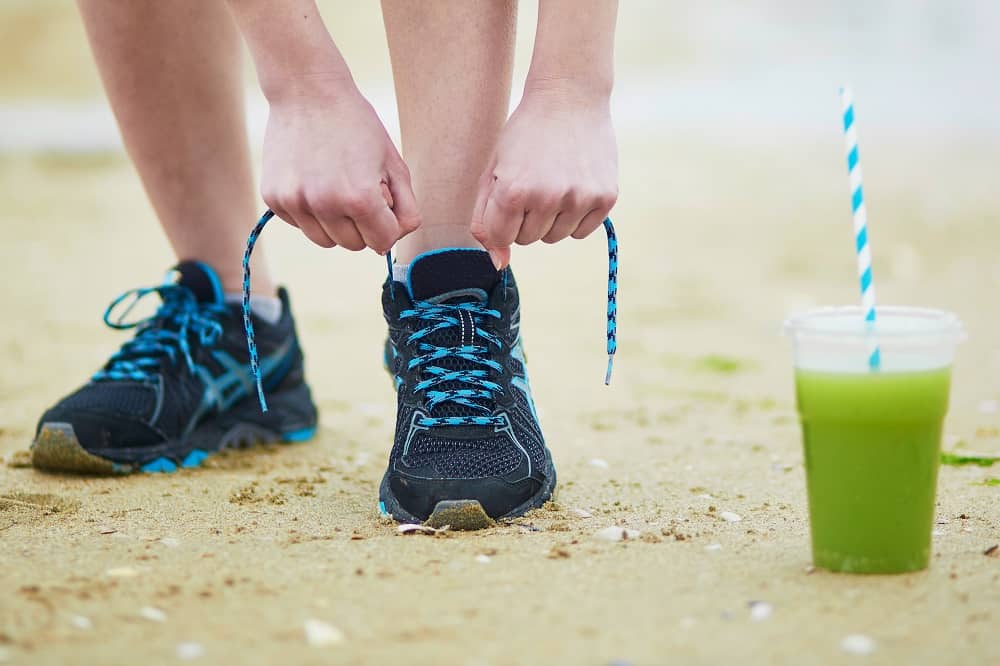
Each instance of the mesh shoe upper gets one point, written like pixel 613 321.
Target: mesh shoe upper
pixel 185 364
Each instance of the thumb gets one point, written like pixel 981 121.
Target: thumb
pixel 402 201
pixel 499 256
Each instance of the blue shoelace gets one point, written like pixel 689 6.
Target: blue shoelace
pixel 439 317
pixel 167 334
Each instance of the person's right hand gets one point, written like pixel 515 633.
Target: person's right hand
pixel 331 170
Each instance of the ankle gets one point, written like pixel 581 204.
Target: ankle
pixel 435 237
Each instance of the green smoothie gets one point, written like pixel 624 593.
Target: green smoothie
pixel 872 443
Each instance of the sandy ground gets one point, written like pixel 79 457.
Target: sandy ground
pixel 699 420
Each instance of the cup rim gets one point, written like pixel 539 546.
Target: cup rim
pixel 946 324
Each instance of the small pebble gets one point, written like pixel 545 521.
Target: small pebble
pixel 170 542
pixel 581 513
pixel 80 622
pixel 321 634
pixel 992 551
pixel 408 528
pixel 106 529
pixel 599 462
pixel 730 517
pixel 857 644
pixel 152 614
pixel 122 572
pixel 760 610
pixel 483 559
pixel 617 534
pixel 189 651
pixel 713 547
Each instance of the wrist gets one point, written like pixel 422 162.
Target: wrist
pixel 575 89
pixel 288 84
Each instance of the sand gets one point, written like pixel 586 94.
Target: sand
pixel 699 420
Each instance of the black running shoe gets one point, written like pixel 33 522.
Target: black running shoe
pixel 468 446
pixel 181 388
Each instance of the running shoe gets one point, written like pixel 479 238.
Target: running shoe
pixel 468 447
pixel 180 389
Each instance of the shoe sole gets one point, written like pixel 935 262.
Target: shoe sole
pixel 463 514
pixel 57 449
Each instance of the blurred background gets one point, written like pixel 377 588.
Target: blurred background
pixel 723 68
pixel 734 207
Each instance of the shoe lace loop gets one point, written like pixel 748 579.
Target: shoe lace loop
pixel 169 332
pixel 436 376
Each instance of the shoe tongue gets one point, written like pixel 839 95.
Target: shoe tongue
pixel 201 280
pixel 459 274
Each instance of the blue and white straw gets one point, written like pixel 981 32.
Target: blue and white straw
pixel 860 228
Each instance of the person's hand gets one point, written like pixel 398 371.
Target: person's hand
pixel 554 174
pixel 331 170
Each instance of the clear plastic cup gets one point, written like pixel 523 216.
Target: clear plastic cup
pixel 872 438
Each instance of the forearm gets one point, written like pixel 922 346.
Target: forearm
pixel 291 48
pixel 574 47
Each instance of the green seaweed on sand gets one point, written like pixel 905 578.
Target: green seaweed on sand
pixel 989 482
pixel 957 460
pixel 720 364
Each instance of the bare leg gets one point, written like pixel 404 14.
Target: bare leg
pixel 452 62
pixel 172 71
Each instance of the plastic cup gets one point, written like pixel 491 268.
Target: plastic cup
pixel 872 439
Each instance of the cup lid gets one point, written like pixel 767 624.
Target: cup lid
pixel 893 323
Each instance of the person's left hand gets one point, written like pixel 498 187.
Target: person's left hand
pixel 554 174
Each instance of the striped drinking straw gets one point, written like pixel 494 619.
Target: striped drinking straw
pixel 860 228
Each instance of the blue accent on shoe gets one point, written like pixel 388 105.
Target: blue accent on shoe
pixel 381 509
pixel 194 459
pixel 160 465
pixel 299 435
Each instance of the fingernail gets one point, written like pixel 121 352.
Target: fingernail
pixel 495 258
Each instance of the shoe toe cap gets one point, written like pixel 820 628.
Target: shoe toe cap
pixel 498 496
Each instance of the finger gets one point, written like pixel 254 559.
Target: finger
pixel 370 216
pixel 592 221
pixel 403 202
pixel 345 233
pixel 499 256
pixel 379 230
pixel 283 215
pixel 274 202
pixel 536 224
pixel 504 214
pixel 565 223
pixel 313 230
pixel 477 226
